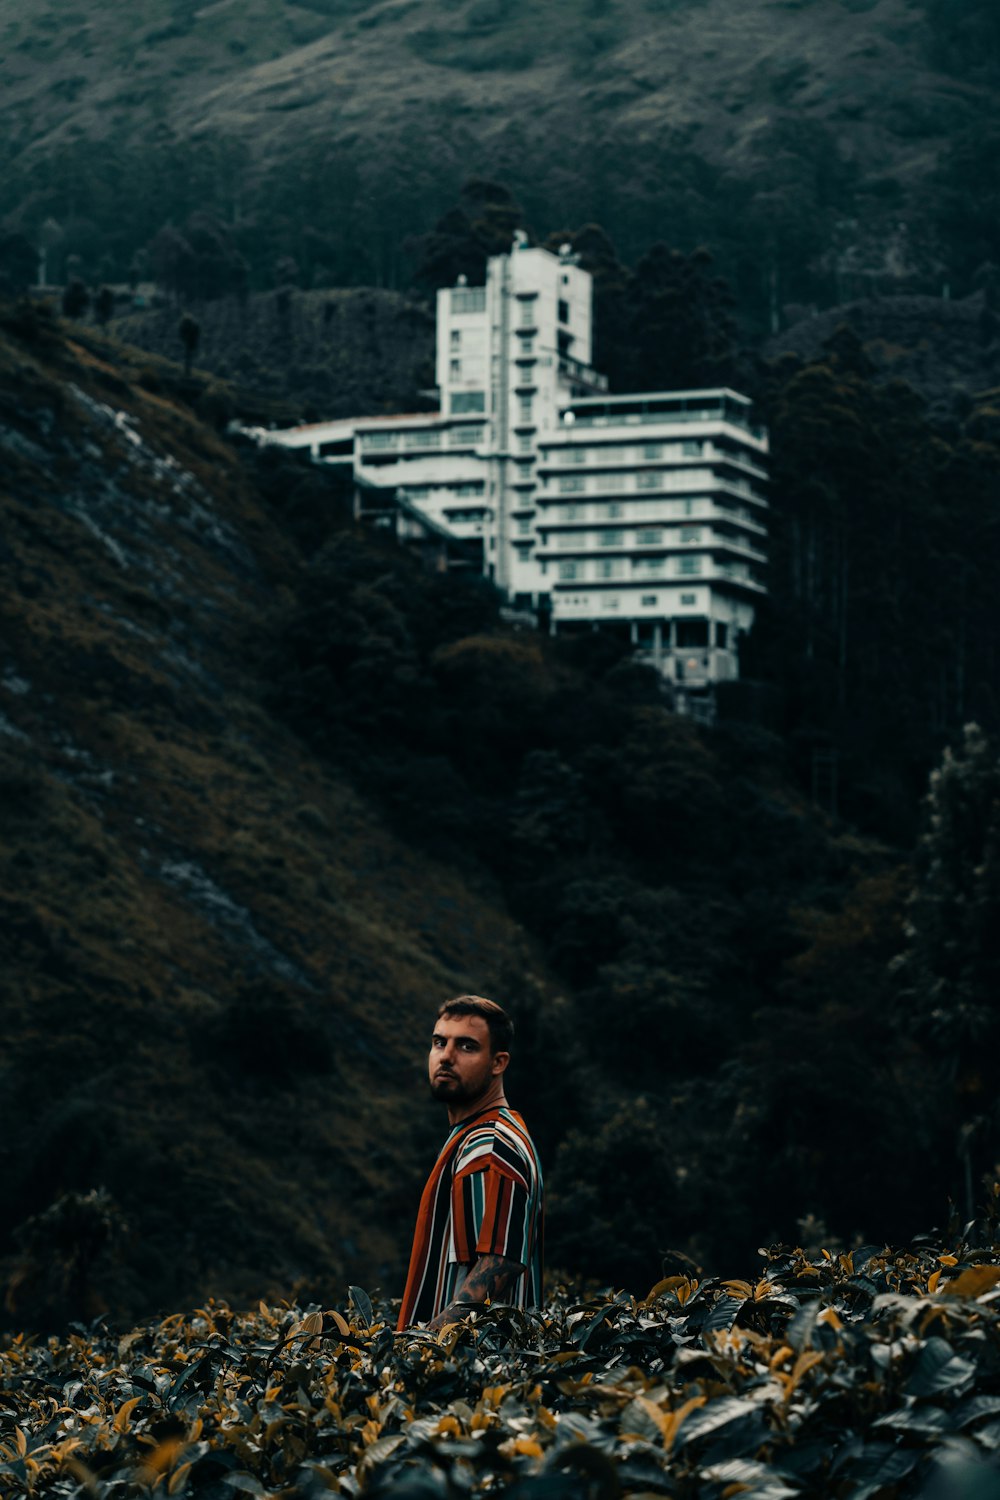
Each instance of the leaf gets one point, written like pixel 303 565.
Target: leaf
pixel 712 1416
pixel 643 1418
pixel 676 1417
pixel 177 1478
pixel 805 1362
pixel 989 1436
pixel 973 1282
pixel 363 1304
pixel 723 1315
pixel 879 1465
pixel 975 1408
pixel 583 1334
pixel 661 1289
pixel 239 1479
pixel 121 1422
pixel 926 1420
pixel 744 1476
pixel 939 1369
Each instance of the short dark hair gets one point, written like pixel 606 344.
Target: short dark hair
pixel 500 1024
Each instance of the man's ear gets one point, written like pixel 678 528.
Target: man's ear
pixel 500 1061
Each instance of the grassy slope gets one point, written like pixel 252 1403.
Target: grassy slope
pixel 482 80
pixel 165 846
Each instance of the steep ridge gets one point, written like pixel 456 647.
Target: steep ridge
pixel 217 961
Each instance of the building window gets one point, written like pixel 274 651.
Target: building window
pixel 466 437
pixel 527 346
pixel 687 507
pixel 456 369
pixel 567 539
pixel 378 439
pixel 721 634
pixel 648 481
pixel 463 401
pixel 525 442
pixel 456 338
pixel 689 599
pixel 652 450
pixel 609 567
pixel 650 537
pixel 573 512
pixel 563 310
pixel 528 318
pixel 472 487
pixel 571 484
pixel 524 408
pixel 647 565
pixel 417 491
pixel 569 571
pixel 615 508
pixel 649 600
pixel 612 481
pixel 690 533
pixel 691 449
pixel 524 470
pixel 689 564
pixel 524 526
pixel 612 538
pixel 468 299
pixel 576 455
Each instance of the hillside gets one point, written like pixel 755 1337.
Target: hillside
pixel 217 959
pixel 808 142
pixel 334 353
pixel 269 788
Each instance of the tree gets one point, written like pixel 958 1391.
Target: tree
pixel 949 972
pixel 75 299
pixel 18 264
pixel 480 225
pixel 104 305
pixel 190 335
pixel 681 323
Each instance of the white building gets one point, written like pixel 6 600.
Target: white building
pixel 643 513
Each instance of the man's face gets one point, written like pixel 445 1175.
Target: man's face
pixel 461 1066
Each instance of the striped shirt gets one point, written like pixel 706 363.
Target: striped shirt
pixel 484 1197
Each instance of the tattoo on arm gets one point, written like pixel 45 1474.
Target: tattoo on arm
pixel 490 1276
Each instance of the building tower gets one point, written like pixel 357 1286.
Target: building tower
pixel 642 514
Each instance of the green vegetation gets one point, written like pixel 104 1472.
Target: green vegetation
pixel 794 141
pixel 267 786
pixel 857 1373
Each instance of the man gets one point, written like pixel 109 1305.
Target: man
pixel 479 1228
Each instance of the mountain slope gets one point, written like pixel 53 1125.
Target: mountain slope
pixel 218 963
pixel 786 134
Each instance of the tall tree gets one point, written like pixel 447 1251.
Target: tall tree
pixel 481 224
pixel 190 335
pixel 949 973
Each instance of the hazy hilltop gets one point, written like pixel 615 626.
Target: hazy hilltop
pixel 802 140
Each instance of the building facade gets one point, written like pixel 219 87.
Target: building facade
pixel 644 514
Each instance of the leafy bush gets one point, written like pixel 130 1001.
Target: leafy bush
pixel 871 1371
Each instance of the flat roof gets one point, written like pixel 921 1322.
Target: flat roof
pixel 713 393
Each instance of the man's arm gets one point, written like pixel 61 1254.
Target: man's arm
pixel 490 1276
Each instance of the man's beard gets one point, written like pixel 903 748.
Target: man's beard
pixel 449 1089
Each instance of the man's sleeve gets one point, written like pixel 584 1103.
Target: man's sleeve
pixel 490 1213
